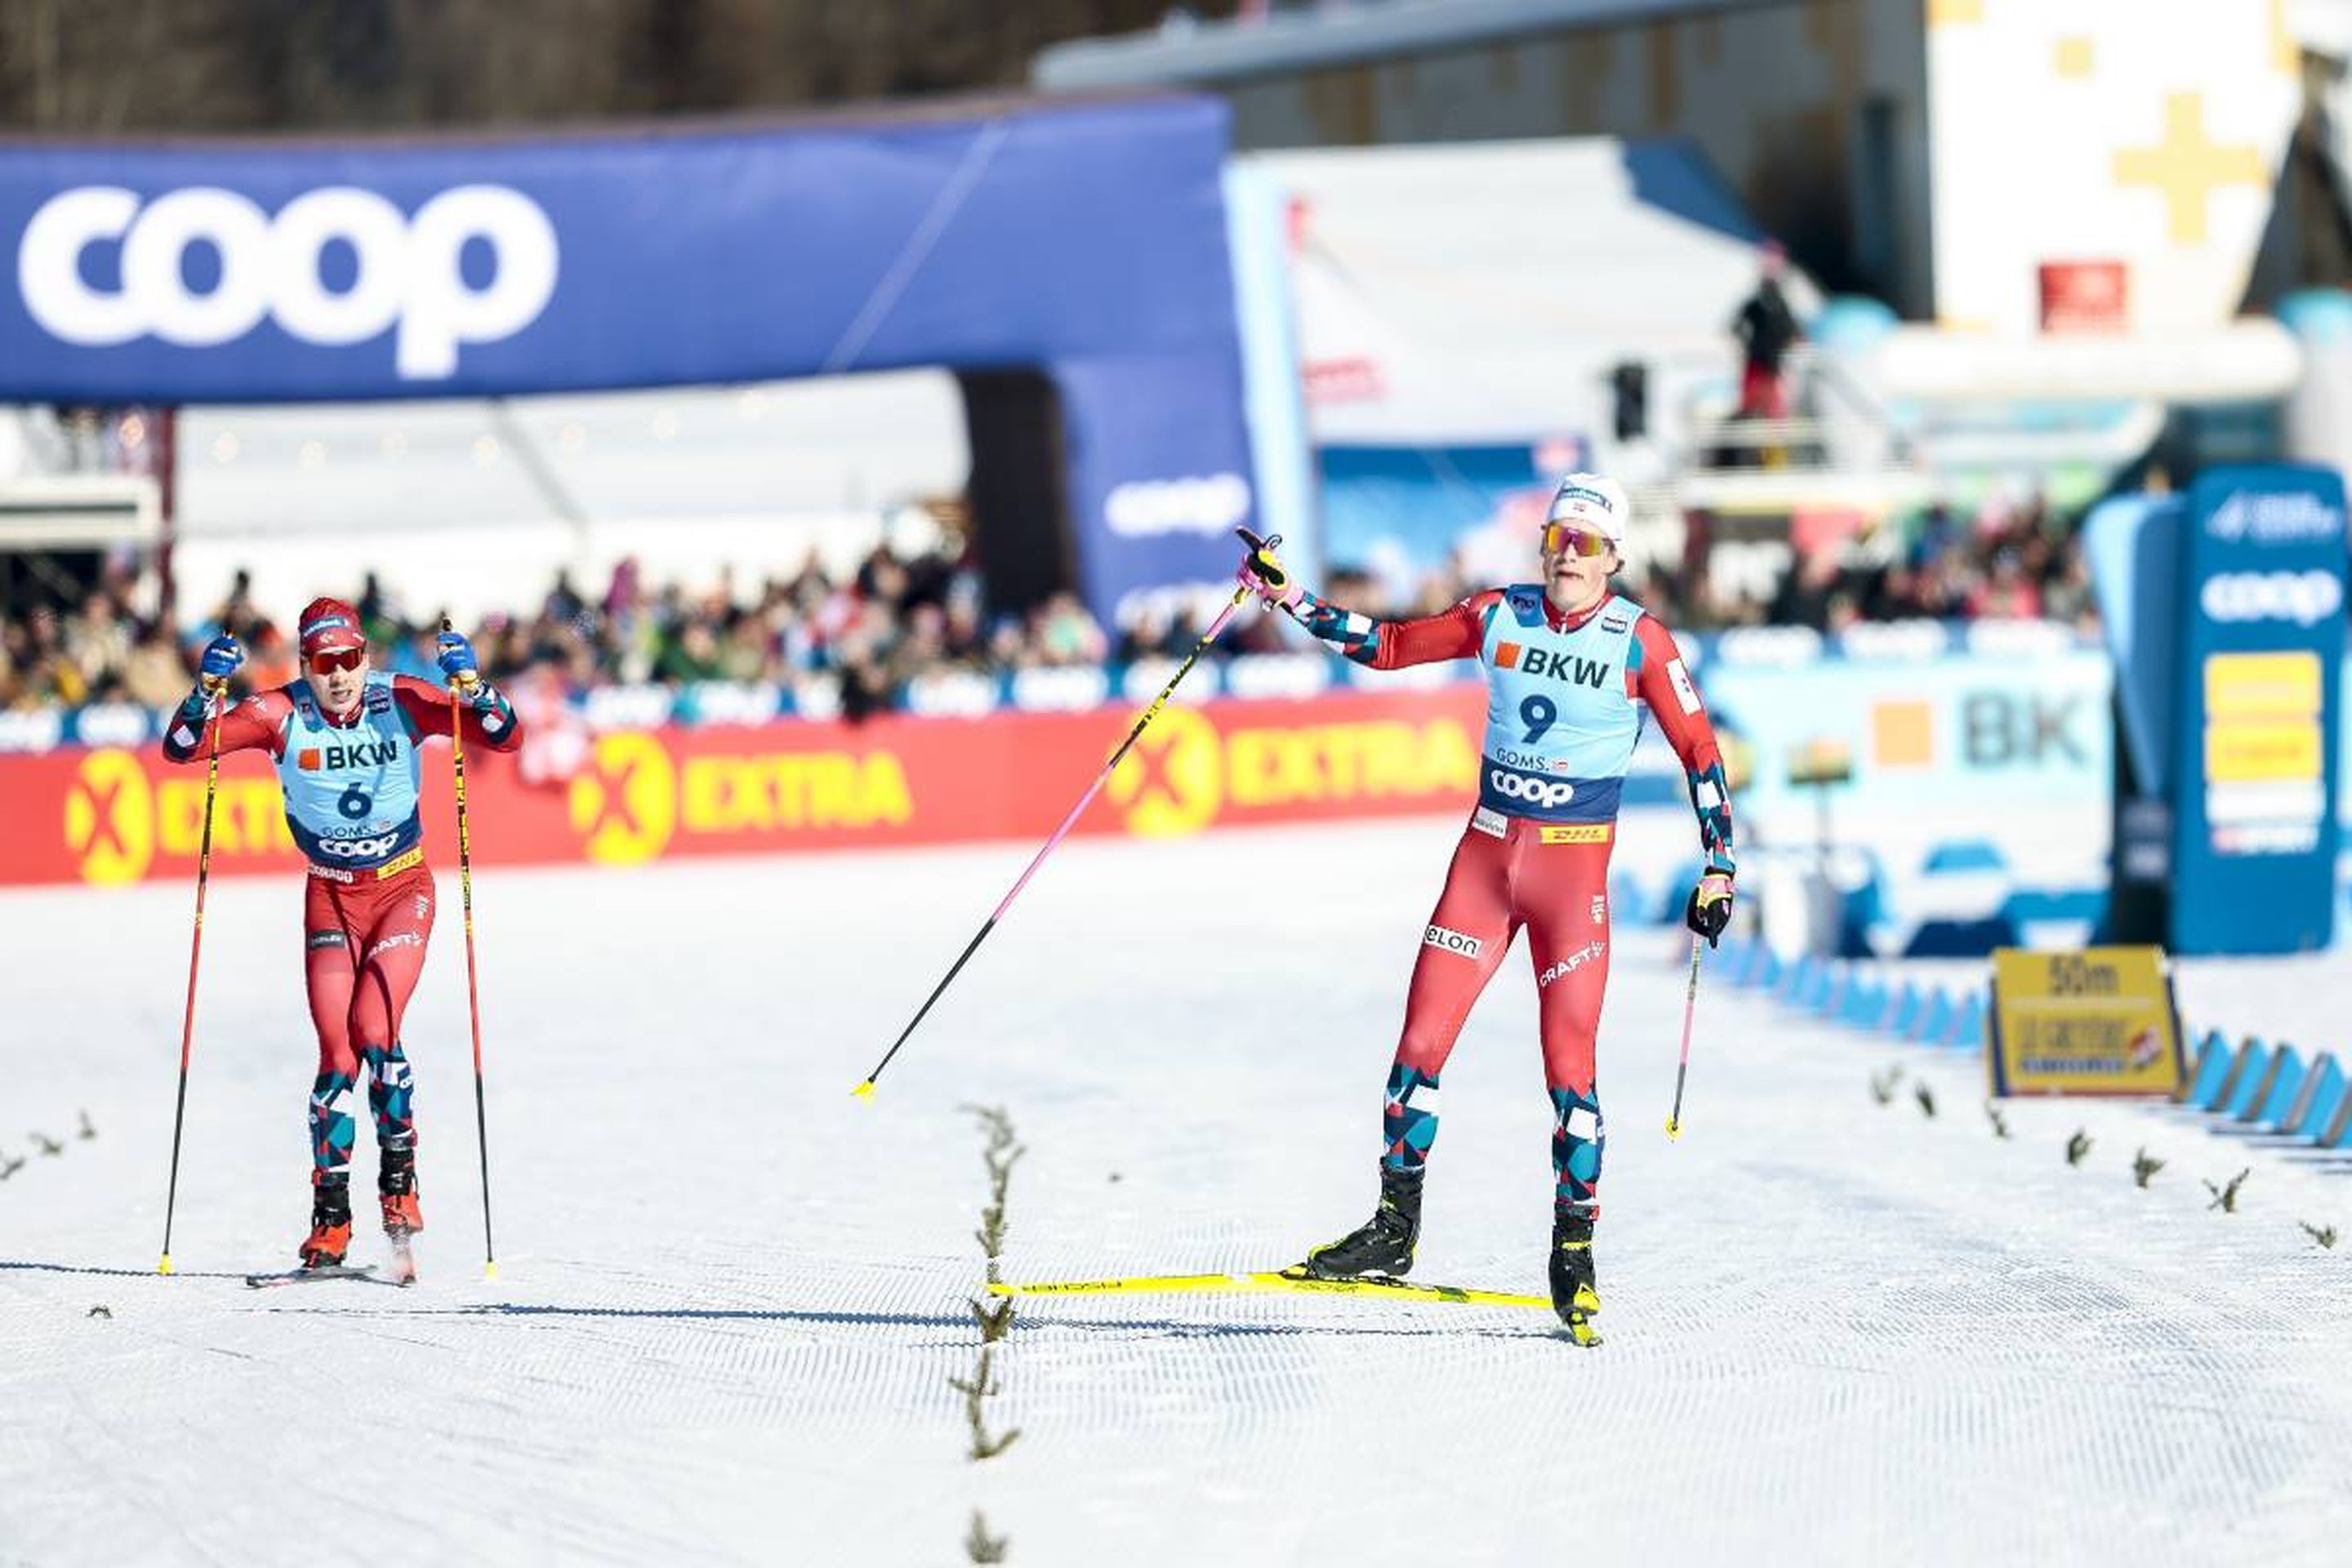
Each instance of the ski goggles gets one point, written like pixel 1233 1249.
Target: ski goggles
pixel 1567 538
pixel 328 661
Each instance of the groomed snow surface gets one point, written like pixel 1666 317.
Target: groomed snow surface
pixel 731 1298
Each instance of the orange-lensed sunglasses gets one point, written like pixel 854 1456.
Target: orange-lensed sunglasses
pixel 1566 539
pixel 330 660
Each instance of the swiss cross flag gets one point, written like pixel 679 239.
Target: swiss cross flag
pixel 308 759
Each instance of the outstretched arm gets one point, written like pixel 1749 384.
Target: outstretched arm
pixel 1663 685
pixel 1455 633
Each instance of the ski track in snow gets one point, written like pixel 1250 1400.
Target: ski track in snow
pixel 731 1298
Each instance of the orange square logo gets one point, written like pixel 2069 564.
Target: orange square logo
pixel 1507 655
pixel 307 759
pixel 1903 735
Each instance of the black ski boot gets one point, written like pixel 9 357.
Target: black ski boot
pixel 331 1225
pixel 1575 1296
pixel 396 1187
pixel 1383 1244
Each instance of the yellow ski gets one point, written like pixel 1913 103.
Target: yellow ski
pixel 1291 1279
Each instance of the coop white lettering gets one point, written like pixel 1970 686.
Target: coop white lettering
pixel 407 275
pixel 1143 508
pixel 1548 794
pixel 2306 598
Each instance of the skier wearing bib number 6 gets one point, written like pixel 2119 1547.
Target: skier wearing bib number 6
pixel 344 739
pixel 1570 666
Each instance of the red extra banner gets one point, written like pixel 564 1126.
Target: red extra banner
pixel 625 797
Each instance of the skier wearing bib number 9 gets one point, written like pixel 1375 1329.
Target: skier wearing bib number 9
pixel 1570 665
pixel 344 739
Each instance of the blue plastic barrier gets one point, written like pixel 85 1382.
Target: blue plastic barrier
pixel 2256 1084
pixel 2337 1134
pixel 2213 1067
pixel 1908 1008
pixel 2253 1069
pixel 1968 1028
pixel 2323 1090
pixel 1936 1021
pixel 2279 1088
pixel 1816 988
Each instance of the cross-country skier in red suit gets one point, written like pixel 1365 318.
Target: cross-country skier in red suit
pixel 344 739
pixel 1571 668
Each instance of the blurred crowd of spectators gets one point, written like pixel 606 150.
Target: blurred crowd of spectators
pixel 894 619
pixel 873 629
pixel 2011 559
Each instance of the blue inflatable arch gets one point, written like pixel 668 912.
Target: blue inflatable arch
pixel 1068 259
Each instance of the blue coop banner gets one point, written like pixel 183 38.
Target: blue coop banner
pixel 1088 241
pixel 2255 765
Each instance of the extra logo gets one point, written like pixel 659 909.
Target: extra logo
pixel 111 818
pixel 2306 598
pixel 98 268
pixel 626 802
pixel 1571 668
pixel 1447 940
pixel 1563 968
pixel 1550 795
pixel 121 819
pixel 1173 781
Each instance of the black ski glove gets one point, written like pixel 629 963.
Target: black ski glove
pixel 1710 910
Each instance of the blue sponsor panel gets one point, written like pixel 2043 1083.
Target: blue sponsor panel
pixel 1086 240
pixel 2255 768
pixel 1959 730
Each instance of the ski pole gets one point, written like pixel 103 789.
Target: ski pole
pixel 1690 1006
pixel 865 1090
pixel 473 994
pixel 216 711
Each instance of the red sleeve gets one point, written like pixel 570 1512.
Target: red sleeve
pixel 428 708
pixel 1663 684
pixel 1455 633
pixel 256 724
